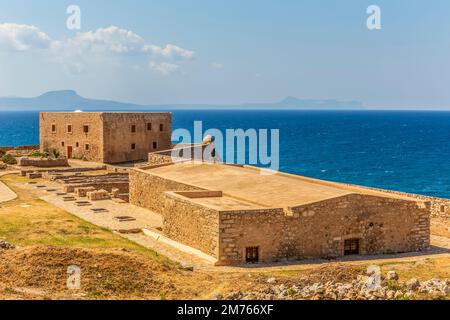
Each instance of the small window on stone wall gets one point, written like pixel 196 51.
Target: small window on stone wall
pixel 62 144
pixel 351 247
pixel 155 145
pixel 149 126
pixel 161 127
pixel 87 147
pixel 77 144
pixel 85 129
pixel 69 128
pixel 133 146
pixel 53 128
pixel 442 208
pixel 133 128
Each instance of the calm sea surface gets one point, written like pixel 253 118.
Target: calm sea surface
pixel 405 151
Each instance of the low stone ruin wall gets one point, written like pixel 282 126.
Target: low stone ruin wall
pixel 42 162
pixel 98 195
pixel 109 186
pixel 147 190
pixel 47 173
pixel 440 207
pixel 177 154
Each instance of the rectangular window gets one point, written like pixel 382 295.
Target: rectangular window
pixel 351 247
pixel 87 147
pixel 161 127
pixel 252 254
pixel 149 126
pixel 62 144
pixel 85 129
pixel 133 128
pixel 53 128
pixel 133 146
pixel 77 144
pixel 69 128
pixel 155 145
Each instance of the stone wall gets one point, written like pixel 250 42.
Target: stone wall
pixel 43 162
pixel 440 207
pixel 158 159
pixel 147 136
pixel 108 186
pixel 111 137
pixel 383 225
pixel 148 191
pixel 191 224
pixel 179 153
pixel 317 230
pixel 84 145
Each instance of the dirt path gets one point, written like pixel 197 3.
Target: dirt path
pixel 6 194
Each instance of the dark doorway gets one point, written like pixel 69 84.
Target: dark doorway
pixel 351 247
pixel 69 152
pixel 252 255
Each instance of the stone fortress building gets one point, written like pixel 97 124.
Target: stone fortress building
pixel 239 216
pixel 106 137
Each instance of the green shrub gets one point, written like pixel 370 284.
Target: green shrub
pixel 37 154
pixel 2 153
pixel 55 153
pixel 9 159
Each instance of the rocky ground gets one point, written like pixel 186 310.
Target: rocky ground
pixel 355 286
pixel 5 245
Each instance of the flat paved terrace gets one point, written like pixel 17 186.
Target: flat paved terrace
pixel 249 185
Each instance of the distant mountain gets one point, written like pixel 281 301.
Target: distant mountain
pixel 69 100
pixel 62 101
pixel 309 104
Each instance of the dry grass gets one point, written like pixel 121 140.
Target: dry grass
pixel 29 221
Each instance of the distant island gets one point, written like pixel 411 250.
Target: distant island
pixel 69 100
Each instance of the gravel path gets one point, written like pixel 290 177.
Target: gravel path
pixel 6 194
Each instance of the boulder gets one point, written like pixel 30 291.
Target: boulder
pixel 412 284
pixel 392 275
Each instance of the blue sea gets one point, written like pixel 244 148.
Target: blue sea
pixel 406 151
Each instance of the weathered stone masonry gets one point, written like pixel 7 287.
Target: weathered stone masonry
pixel 313 230
pixel 383 225
pixel 105 137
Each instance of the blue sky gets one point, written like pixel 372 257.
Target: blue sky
pixel 204 51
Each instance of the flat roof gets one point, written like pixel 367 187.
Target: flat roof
pixel 247 184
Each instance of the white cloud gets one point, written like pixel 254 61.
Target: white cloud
pixel 216 65
pixel 94 47
pixel 164 68
pixel 105 40
pixel 170 52
pixel 19 37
